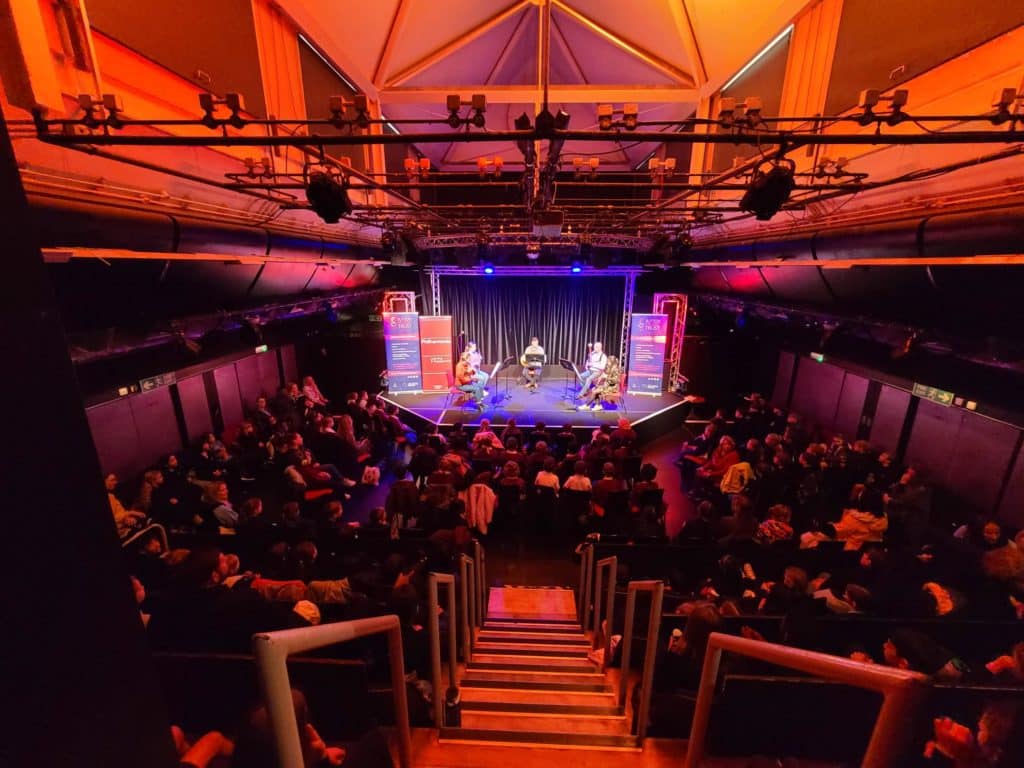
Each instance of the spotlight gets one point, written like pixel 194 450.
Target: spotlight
pixel 361 105
pixel 605 115
pixel 454 104
pixel 488 268
pixel 234 102
pixel 208 104
pixel 479 104
pixel 336 107
pixel 726 109
pixel 533 251
pixel 1003 102
pixel 769 190
pixel 327 197
pixel 630 116
pixel 576 267
pixel 424 167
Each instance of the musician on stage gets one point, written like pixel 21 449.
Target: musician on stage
pixel 532 360
pixel 597 361
pixel 476 360
pixel 465 380
pixel 605 386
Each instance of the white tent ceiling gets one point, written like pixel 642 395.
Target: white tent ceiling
pixel 662 54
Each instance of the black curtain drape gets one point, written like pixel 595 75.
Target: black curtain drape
pixel 501 313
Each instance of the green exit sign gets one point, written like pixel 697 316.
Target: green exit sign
pixel 940 396
pixel 153 382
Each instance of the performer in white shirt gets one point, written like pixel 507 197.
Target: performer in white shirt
pixel 597 361
pixel 532 367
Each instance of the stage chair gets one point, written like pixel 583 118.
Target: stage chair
pixel 455 395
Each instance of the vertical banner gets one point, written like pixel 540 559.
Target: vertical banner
pixel 647 354
pixel 402 347
pixel 436 351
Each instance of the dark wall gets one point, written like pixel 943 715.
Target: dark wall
pixel 878 37
pixel 215 38
pixel 132 433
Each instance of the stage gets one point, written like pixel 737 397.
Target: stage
pixel 651 415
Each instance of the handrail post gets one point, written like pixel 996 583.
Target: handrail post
pixel 481 579
pixel 612 564
pixel 609 612
pixel 583 579
pixel 627 642
pixel 647 678
pixel 433 579
pixel 464 593
pixel 903 692
pixel 588 585
pixel 272 650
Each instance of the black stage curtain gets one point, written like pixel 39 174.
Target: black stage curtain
pixel 565 313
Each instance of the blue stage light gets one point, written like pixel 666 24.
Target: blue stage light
pixel 488 268
pixel 576 268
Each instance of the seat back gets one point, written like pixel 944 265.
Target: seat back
pixel 449 379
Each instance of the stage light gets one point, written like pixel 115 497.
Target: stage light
pixel 533 251
pixel 361 105
pixel 576 267
pixel 488 268
pixel 769 190
pixel 454 104
pixel 336 108
pixel 479 104
pixel 630 116
pixel 726 109
pixel 522 123
pixel 1003 102
pixel 327 197
pixel 424 167
pixel 605 115
pixel 499 163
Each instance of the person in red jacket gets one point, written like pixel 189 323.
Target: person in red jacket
pixel 723 457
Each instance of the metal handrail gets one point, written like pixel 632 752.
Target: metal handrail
pixel 467 611
pixel 612 564
pixel 272 650
pixel 480 555
pixel 657 590
pixel 151 527
pixel 586 584
pixel 902 692
pixel 433 579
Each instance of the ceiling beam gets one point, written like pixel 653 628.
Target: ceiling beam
pixel 1000 260
pixel 650 59
pixel 564 94
pixel 460 41
pixel 688 36
pixel 384 60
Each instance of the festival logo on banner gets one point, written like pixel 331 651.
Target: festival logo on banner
pixel 647 354
pixel 436 352
pixel 402 347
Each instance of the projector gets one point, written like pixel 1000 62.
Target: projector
pixel 547 224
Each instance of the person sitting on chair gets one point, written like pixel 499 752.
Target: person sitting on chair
pixel 477 360
pixel 466 381
pixel 597 361
pixel 605 387
pixel 532 360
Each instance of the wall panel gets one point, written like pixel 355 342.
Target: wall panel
pixel 1011 508
pixel 851 405
pixel 982 451
pixel 291 368
pixel 269 373
pixel 932 439
pixel 156 424
pixel 192 392
pixel 816 392
pixel 249 384
pixel 225 379
pixel 889 417
pixel 117 441
pixel 783 378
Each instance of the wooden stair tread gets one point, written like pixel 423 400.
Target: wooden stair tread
pixel 541 738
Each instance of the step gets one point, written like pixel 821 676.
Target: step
pixel 545 708
pixel 539 723
pixel 538 738
pixel 491 636
pixel 533 685
pixel 513 697
pixel 538 620
pixel 506 649
pixel 517 626
pixel 516 660
pixel 516 665
pixel 523 676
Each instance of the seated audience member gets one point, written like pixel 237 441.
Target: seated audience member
pixel 578 481
pixel 510 476
pixel 511 430
pixel 683 659
pixel 221 511
pixel 485 434
pixel 547 477
pixel 609 483
pixel 403 501
pixel 262 418
pixel 294 525
pixel 1009 667
pixel 127 520
pixel 539 433
pixel 777 527
pixel 910 649
pixel 741 525
pixel 723 457
pixel 697 450
pixel 623 433
pixel 312 392
pixel 999 742
pixel 700 529
pixel 781 597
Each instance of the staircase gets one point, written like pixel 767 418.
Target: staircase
pixel 529 681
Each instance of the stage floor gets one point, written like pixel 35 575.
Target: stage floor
pixel 550 403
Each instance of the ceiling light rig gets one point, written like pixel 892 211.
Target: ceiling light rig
pixel 478 104
pixel 630 119
pixel 770 187
pixel 327 193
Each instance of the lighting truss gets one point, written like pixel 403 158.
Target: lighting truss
pixel 467 239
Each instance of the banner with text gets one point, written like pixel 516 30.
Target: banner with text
pixel 436 351
pixel 647 334
pixel 402 347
